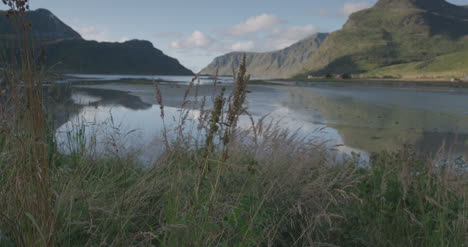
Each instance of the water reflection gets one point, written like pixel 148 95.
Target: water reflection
pixel 385 119
pixel 363 119
pixel 160 78
pixel 106 97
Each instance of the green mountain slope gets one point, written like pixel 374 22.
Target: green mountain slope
pixel 67 52
pixel 277 64
pixel 393 32
pixel 445 66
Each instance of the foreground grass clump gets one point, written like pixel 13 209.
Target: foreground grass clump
pixel 409 200
pixel 238 203
pixel 251 200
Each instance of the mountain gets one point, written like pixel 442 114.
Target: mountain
pixel 67 52
pixel 45 26
pixel 131 57
pixel 277 64
pixel 397 38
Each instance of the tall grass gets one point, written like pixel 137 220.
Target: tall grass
pixel 27 207
pixel 219 185
pixel 409 200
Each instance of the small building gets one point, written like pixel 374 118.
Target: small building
pixel 342 76
pixel 456 80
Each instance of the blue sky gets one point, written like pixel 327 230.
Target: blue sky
pixel 196 31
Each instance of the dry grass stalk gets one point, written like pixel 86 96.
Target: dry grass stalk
pixel 214 122
pixel 159 100
pixel 236 106
pixel 28 189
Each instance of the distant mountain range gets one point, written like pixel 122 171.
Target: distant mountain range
pixel 395 38
pixel 277 64
pixel 66 51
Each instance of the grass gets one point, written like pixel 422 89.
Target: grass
pixel 261 186
pixel 446 66
pixel 407 200
pixel 368 82
pixel 249 201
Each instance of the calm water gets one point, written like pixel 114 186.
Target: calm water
pixel 351 119
pixel 157 78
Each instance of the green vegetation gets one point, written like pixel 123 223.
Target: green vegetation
pixel 277 64
pixel 401 200
pixel 408 201
pixel 262 186
pixel 393 33
pixel 453 65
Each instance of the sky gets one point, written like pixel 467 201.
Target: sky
pixel 196 31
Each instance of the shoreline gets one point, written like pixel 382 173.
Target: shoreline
pixel 363 82
pixel 355 82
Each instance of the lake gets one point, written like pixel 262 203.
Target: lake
pixel 119 117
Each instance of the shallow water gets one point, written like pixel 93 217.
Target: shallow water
pixel 156 78
pixel 351 119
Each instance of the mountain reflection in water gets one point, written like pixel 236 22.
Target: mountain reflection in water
pixel 362 119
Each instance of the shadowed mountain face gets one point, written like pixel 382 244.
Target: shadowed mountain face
pixel 45 26
pixel 393 32
pixel 277 64
pixel 67 52
pixel 131 57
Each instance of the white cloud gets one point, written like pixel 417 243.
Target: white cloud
pixel 283 37
pixel 243 46
pixel 255 24
pixel 124 39
pixel 196 40
pixel 295 32
pixel 351 7
pixel 259 33
pixel 99 34
pixel 277 38
pixel 93 33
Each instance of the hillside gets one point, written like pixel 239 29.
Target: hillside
pixel 45 26
pixel 410 36
pixel 277 64
pixel 67 52
pixel 130 57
